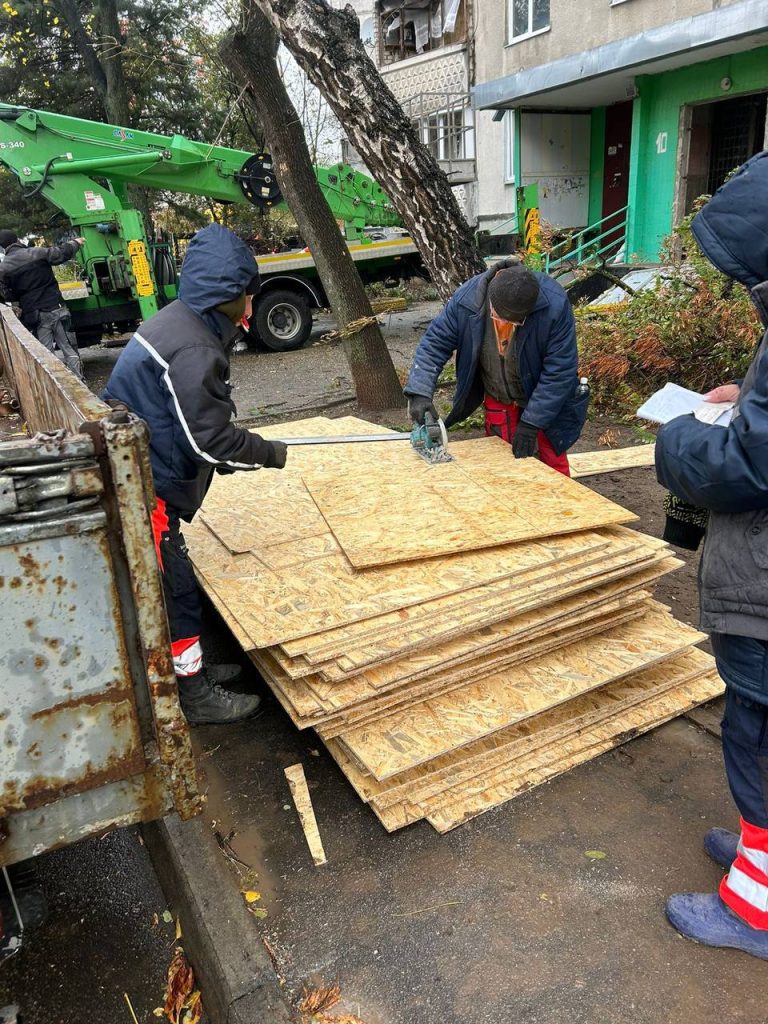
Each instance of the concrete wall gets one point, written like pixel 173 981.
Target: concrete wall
pixel 575 25
pixel 655 136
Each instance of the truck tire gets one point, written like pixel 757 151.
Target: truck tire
pixel 283 320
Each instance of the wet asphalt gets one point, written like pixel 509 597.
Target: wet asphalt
pixel 105 936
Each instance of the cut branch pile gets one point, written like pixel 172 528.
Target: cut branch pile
pixel 444 673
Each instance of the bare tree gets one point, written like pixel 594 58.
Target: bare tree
pixel 251 52
pixel 326 44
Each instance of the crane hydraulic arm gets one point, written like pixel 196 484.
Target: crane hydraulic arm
pixel 84 167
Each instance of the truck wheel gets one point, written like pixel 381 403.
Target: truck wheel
pixel 283 320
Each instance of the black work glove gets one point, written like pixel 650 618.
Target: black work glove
pixel 525 443
pixel 277 455
pixel 419 406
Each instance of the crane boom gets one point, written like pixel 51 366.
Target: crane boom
pixel 84 167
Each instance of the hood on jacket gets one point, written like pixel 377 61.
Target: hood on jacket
pixel 732 229
pixel 217 268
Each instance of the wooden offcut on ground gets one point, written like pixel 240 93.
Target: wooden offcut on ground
pixel 455 633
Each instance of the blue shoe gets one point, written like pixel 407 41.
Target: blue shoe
pixel 703 917
pixel 721 846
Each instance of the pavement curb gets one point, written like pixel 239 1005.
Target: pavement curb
pixel 235 973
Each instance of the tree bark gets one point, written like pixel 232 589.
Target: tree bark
pixel 326 44
pixel 251 52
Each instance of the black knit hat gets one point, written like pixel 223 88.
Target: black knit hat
pixel 7 238
pixel 513 292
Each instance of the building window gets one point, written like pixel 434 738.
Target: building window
pixel 526 18
pixel 448 134
pixel 509 147
pixel 410 27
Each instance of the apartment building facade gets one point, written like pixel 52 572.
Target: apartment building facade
pixel 623 111
pixel 424 52
pixel 620 109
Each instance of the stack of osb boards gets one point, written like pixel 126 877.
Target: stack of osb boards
pixel 455 633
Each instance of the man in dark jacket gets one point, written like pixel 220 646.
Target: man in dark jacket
pixel 725 470
pixel 174 373
pixel 26 277
pixel 514 335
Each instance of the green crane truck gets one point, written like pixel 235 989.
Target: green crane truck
pixel 85 167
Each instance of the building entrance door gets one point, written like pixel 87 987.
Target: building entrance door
pixel 618 135
pixel 716 138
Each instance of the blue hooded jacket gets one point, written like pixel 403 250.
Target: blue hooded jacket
pixel 547 358
pixel 725 469
pixel 174 374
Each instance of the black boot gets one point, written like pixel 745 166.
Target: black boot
pixel 206 703
pixel 224 675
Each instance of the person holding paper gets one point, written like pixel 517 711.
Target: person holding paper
pixel 725 471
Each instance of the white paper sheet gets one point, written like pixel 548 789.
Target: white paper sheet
pixel 672 401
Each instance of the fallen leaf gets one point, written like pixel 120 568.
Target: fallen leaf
pixel 178 929
pixel 594 854
pixel 251 895
pixel 258 912
pixel 167 917
pixel 317 1000
pixel 158 1012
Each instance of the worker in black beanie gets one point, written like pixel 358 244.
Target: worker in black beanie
pixel 26 277
pixel 514 335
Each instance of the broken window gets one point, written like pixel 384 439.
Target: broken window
pixel 410 27
pixel 525 17
pixel 448 134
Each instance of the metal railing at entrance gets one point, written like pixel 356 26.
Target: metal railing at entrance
pixel 601 242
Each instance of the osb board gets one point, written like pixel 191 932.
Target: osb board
pixel 612 459
pixel 487 639
pixel 369 713
pixel 416 734
pixel 357 701
pixel 502 748
pixel 386 511
pixel 490 611
pixel 379 650
pixel 277 605
pixel 576 553
pixel 450 810
pixel 469 801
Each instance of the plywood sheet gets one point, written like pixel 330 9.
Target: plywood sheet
pixel 380 649
pixel 358 702
pixel 612 459
pixel 277 605
pixel 492 752
pixel 419 733
pixel 389 511
pixel 475 798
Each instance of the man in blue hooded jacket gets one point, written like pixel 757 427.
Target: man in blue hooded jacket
pixel 174 374
pixel 725 470
pixel 514 335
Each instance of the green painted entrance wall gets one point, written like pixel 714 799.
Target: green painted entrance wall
pixel 655 132
pixel 596 164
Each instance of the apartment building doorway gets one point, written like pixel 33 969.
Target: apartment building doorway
pixel 618 136
pixel 716 138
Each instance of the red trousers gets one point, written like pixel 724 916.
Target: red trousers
pixel 502 420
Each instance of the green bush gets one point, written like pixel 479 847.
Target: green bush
pixel 697 328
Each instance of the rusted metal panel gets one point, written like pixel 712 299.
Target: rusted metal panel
pixel 67 711
pixel 127 451
pixel 91 733
pixel 142 797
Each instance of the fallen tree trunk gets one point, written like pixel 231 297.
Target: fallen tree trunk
pixel 326 44
pixel 251 52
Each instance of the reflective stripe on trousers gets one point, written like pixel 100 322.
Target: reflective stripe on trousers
pixel 745 888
